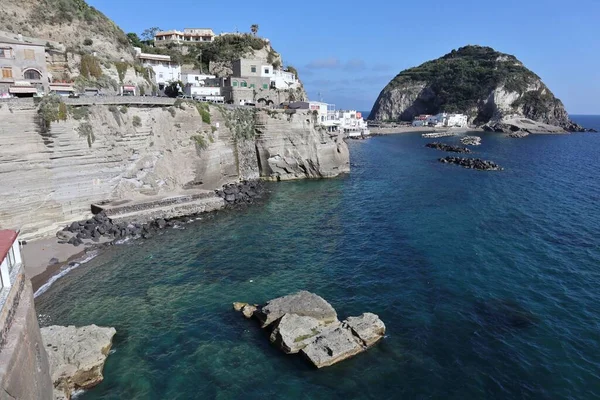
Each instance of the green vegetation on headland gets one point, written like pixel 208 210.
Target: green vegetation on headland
pixel 464 76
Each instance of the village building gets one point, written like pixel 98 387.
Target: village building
pixel 63 89
pixel 165 70
pixel 350 122
pixel 23 70
pixel 10 257
pixel 189 36
pixel 442 120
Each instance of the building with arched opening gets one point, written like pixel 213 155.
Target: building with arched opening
pixel 23 70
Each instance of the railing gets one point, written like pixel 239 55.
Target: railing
pixel 101 100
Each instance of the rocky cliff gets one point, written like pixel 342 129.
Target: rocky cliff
pixel 491 87
pixel 51 174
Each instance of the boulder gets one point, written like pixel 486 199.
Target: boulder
pixel 237 306
pixel 294 332
pixel 332 347
pixel 367 327
pixel 302 303
pixel 76 355
pixel 248 310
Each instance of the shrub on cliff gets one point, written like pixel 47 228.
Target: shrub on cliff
pixel 51 109
pixel 90 66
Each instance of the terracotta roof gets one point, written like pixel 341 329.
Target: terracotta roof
pixel 7 238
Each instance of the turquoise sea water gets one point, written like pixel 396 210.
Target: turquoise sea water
pixel 488 282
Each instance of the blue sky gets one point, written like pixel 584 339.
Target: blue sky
pixel 347 53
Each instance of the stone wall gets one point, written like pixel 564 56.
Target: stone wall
pixel 50 178
pixel 24 370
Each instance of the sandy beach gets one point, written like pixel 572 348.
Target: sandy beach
pixel 43 258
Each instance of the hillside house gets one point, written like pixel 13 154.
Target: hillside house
pixel 165 70
pixel 187 37
pixel 23 70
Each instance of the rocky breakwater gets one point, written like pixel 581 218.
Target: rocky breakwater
pixel 242 193
pixel 447 147
pixel 471 141
pixel 76 356
pixel 472 163
pixel 307 324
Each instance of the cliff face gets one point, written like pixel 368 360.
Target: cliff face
pixel 50 177
pixel 487 85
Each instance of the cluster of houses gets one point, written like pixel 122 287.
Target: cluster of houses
pixel 441 120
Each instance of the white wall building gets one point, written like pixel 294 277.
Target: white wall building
pixel 457 120
pixel 202 91
pixel 10 256
pixel 195 78
pixel 350 122
pixel 284 80
pixel 165 70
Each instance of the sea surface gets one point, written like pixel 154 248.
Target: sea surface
pixel 488 282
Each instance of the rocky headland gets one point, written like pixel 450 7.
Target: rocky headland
pixel 76 356
pixel 494 89
pixel 307 324
pixel 447 147
pixel 472 163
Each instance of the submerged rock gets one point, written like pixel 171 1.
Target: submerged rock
pixel 305 323
pixel 76 356
pixel 302 303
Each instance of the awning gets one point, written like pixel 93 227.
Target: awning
pixel 62 88
pixel 128 87
pixel 22 89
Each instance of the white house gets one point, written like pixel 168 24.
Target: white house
pixel 165 70
pixel 195 79
pixel 201 91
pixel 284 80
pixel 10 256
pixel 458 120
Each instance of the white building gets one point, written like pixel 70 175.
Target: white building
pixel 165 70
pixel 201 91
pixel 284 80
pixel 187 37
pixel 195 79
pixel 457 120
pixel 446 120
pixel 10 257
pixel 350 122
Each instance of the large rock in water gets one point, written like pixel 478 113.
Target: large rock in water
pixel 76 356
pixel 306 323
pixel 478 81
pixel 302 303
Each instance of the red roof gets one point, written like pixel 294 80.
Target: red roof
pixel 7 238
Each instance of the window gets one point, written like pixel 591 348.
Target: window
pixel 160 75
pixel 11 259
pixel 252 85
pixel 5 53
pixel 265 86
pixel 29 54
pixel 243 84
pixel 267 71
pixel 32 74
pixel 7 73
pixel 253 68
pixel 234 83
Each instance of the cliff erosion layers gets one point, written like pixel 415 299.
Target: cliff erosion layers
pixel 494 89
pixel 51 173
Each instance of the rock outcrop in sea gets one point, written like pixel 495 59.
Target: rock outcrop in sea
pixel 447 147
pixel 471 141
pixel 76 356
pixel 494 89
pixel 306 323
pixel 472 163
